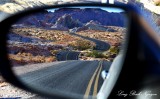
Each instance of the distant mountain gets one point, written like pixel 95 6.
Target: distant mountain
pixel 66 22
pixel 94 25
pixel 86 15
pixel 68 18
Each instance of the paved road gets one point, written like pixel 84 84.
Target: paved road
pixel 67 55
pixel 100 45
pixel 79 77
pixel 72 55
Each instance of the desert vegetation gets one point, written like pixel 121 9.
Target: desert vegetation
pixel 115 40
pixel 36 45
pixel 28 58
pixel 40 37
pixel 82 44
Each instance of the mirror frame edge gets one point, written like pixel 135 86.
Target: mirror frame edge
pixel 5 67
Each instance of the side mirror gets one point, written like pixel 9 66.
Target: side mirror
pixel 60 51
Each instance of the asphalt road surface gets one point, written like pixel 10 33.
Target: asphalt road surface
pixel 72 55
pixel 67 55
pixel 70 77
pixel 100 45
pixel 81 79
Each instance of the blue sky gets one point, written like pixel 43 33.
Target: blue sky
pixel 117 10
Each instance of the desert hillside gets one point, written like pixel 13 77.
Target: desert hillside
pixel 38 38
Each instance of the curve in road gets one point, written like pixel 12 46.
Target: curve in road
pixel 100 45
pixel 67 55
pixel 72 55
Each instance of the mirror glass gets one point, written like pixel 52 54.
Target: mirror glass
pixel 66 50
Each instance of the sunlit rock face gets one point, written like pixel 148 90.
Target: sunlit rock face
pixel 151 13
pixel 12 6
pixel 156 2
pixel 150 10
pixel 8 7
pixel 65 19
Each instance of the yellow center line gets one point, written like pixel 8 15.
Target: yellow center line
pixel 96 82
pixel 90 82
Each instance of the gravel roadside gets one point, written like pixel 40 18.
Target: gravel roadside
pixel 9 91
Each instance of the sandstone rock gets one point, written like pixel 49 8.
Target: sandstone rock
pixel 156 2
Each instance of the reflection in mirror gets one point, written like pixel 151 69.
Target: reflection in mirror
pixel 66 50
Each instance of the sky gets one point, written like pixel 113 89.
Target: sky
pixel 117 10
pixel 105 1
pixel 113 9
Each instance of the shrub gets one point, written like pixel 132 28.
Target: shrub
pixel 28 58
pixel 54 52
pixel 82 44
pixel 96 54
pixel 114 50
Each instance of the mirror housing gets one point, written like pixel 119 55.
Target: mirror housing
pixel 129 56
